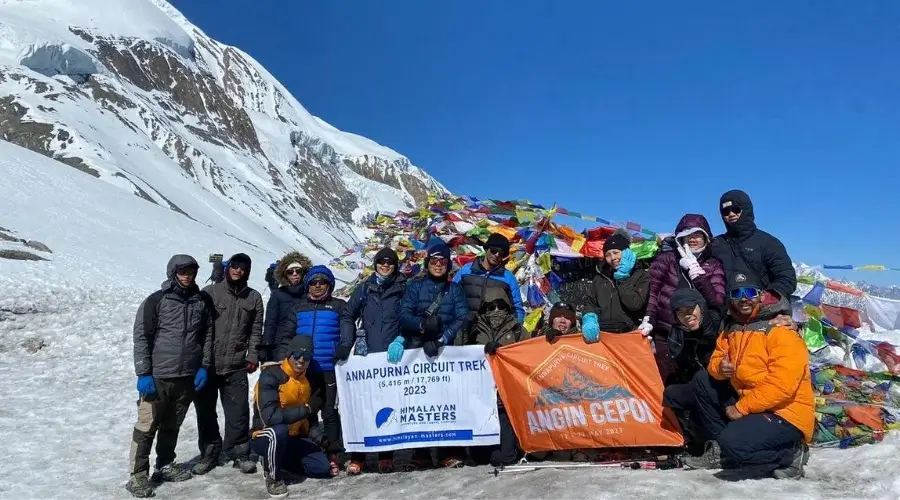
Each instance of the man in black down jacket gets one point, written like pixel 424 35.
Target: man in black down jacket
pixel 377 303
pixel 751 251
pixel 238 322
pixel 173 349
pixel 691 342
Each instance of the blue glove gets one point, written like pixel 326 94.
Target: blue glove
pixel 361 348
pixel 625 265
pixel 395 351
pixel 590 328
pixel 200 379
pixel 145 385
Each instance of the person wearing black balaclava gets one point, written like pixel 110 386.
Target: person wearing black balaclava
pixel 744 248
pixel 238 330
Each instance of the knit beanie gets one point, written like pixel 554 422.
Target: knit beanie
pixel 387 253
pixel 617 241
pixel 499 241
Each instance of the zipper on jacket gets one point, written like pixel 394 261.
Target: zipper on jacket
pixel 184 334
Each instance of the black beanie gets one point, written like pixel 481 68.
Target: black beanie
pixel 558 310
pixel 617 241
pixel 386 253
pixel 241 258
pixel 499 241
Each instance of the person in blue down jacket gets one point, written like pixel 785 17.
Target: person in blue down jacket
pixel 433 312
pixel 490 271
pixel 281 320
pixel 376 302
pixel 319 315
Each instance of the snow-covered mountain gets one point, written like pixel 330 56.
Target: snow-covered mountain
pixel 133 94
pixel 843 299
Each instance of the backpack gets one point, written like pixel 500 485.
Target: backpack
pixel 151 312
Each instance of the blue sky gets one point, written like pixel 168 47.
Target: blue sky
pixel 636 111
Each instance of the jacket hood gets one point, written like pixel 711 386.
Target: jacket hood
pixel 495 293
pixel 689 224
pixel 177 262
pixel 747 223
pixel 318 270
pixel 287 260
pixel 243 259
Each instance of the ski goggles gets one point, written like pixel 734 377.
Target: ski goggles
pixel 744 292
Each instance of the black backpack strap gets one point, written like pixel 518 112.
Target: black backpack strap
pixel 151 315
pixel 437 302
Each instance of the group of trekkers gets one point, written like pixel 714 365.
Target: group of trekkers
pixel 715 309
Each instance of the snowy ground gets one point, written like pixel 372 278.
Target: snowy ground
pixel 67 410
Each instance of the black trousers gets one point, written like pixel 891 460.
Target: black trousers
pixel 506 453
pixel 234 390
pixel 760 439
pixel 330 417
pixel 160 416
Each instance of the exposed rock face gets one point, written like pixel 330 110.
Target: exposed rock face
pixel 156 117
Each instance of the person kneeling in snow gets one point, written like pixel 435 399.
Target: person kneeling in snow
pixel 285 432
pixel 756 401
pixel 496 325
pixel 690 344
pixel 173 349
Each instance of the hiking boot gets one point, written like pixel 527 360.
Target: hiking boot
pixel 205 465
pixel 710 459
pixel 276 488
pixel 171 473
pixel 386 465
pixel 139 486
pixel 795 470
pixel 452 463
pixel 245 465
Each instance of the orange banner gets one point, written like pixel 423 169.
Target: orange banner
pixel 571 394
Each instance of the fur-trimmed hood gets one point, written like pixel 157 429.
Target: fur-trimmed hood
pixel 287 260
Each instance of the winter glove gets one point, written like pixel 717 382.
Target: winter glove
pixel 341 353
pixel 433 325
pixel 645 327
pixel 361 348
pixel 551 334
pixel 395 351
pixel 145 385
pixel 491 347
pixel 251 366
pixel 689 262
pixel 265 353
pixel 625 265
pixel 200 379
pixel 431 348
pixel 590 327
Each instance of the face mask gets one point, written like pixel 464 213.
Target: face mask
pixel 496 317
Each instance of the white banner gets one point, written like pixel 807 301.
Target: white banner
pixel 450 400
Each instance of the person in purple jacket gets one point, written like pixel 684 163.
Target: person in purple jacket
pixel 684 261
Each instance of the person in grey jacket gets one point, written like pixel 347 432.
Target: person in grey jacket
pixel 238 319
pixel 173 349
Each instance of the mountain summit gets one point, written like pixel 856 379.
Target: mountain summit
pixel 132 93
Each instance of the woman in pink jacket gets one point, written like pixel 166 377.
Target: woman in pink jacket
pixel 684 261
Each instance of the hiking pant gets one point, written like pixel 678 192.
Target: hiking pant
pixel 506 453
pixel 759 439
pixel 234 389
pixel 281 451
pixel 160 416
pixel 330 417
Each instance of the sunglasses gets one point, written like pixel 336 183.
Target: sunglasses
pixel 385 262
pixel 319 283
pixel 188 271
pixel 301 355
pixel 744 293
pixel 495 306
pixel 294 271
pixel 496 250
pixel 238 265
pixel 730 210
pixel 437 260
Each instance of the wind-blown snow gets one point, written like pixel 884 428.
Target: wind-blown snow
pixel 68 410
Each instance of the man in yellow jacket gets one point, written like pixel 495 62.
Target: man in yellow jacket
pixel 756 400
pixel 286 433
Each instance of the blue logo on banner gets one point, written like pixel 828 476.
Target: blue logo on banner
pixel 383 416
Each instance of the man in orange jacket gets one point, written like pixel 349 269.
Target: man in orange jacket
pixel 756 400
